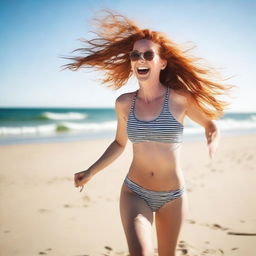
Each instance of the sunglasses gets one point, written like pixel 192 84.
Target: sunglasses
pixel 135 55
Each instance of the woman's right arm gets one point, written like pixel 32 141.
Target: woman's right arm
pixel 114 150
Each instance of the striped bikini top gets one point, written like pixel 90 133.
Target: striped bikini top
pixel 165 128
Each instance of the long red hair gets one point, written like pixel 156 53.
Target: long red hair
pixel 109 52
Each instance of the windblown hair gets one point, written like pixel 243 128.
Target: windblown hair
pixel 110 52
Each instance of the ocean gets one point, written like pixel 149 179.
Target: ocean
pixel 43 125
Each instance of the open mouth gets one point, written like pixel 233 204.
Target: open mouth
pixel 142 70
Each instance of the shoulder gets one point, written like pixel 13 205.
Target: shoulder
pixel 181 93
pixel 180 96
pixel 123 103
pixel 184 96
pixel 124 99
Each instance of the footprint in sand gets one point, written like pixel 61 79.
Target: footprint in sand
pixel 212 252
pixel 86 198
pixel 43 253
pixel 67 206
pixel 71 206
pixel 217 226
pixel 241 233
pixel 185 249
pixel 44 210
pixel 87 201
pixel 108 248
pixel 214 226
pixel 191 221
pixel 110 251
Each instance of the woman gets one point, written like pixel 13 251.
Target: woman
pixel 171 86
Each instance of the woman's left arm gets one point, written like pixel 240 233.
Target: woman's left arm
pixel 212 132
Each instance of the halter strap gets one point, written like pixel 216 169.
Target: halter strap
pixel 166 99
pixel 133 101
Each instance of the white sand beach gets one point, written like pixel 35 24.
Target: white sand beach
pixel 42 213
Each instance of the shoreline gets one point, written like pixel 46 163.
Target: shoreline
pixel 62 138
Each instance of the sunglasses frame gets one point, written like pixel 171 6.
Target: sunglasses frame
pixel 141 55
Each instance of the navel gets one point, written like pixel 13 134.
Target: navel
pixel 151 173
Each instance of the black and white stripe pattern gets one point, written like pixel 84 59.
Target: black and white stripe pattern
pixel 154 199
pixel 165 128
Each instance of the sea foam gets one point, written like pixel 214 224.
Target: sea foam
pixel 63 116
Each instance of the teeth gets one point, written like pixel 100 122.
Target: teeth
pixel 142 68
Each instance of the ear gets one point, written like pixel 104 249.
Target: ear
pixel 164 64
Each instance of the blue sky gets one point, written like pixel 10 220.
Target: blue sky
pixel 34 34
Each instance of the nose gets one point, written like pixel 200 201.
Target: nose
pixel 141 59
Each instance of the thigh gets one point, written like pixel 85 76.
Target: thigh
pixel 169 219
pixel 137 220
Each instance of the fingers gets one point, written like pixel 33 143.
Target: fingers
pixel 78 184
pixel 78 178
pixel 81 178
pixel 212 150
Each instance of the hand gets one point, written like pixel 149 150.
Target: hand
pixel 212 143
pixel 82 178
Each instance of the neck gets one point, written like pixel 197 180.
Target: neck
pixel 151 91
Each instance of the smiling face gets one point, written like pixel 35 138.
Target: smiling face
pixel 153 66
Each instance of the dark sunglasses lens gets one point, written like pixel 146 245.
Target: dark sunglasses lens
pixel 149 55
pixel 134 56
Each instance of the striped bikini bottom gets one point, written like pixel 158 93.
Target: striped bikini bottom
pixel 154 199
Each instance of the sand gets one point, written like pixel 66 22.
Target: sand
pixel 42 213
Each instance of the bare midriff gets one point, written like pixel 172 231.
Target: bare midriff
pixel 156 166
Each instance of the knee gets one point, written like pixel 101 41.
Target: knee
pixel 140 219
pixel 143 230
pixel 142 224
